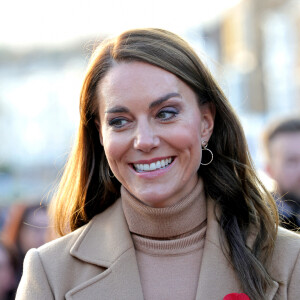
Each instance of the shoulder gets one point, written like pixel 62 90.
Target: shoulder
pixel 286 254
pixel 287 240
pixel 285 263
pixel 58 266
pixel 64 244
pixel 43 271
pixel 287 245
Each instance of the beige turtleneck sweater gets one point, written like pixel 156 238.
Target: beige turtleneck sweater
pixel 169 244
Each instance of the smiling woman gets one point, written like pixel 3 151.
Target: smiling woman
pixel 150 118
pixel 145 215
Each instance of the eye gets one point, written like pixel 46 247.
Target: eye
pixel 166 114
pixel 117 122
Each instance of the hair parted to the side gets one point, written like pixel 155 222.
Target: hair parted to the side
pixel 86 188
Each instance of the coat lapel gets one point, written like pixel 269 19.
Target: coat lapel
pixel 106 242
pixel 217 277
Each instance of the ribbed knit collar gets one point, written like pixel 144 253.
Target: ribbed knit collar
pixel 169 222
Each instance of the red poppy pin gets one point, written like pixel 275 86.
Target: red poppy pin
pixel 236 296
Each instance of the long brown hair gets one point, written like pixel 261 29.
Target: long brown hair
pixel 86 188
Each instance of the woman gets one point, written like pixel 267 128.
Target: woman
pixel 25 228
pixel 159 192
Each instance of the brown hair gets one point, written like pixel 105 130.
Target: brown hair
pixel 86 188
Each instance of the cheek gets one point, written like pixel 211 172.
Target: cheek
pixel 114 148
pixel 188 139
pixel 288 175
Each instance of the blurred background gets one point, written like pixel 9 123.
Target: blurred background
pixel 251 46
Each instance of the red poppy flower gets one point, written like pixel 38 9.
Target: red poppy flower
pixel 236 296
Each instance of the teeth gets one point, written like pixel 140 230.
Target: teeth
pixel 152 166
pixel 160 164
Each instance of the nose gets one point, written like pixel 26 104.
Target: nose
pixel 145 138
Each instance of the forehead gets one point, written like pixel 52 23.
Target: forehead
pixel 134 70
pixel 127 80
pixel 286 143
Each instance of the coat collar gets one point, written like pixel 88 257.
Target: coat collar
pixel 106 242
pixel 104 238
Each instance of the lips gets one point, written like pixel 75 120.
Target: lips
pixel 156 165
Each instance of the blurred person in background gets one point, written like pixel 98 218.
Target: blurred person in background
pixel 281 141
pixel 3 215
pixel 8 268
pixel 26 227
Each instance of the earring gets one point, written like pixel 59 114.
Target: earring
pixel 109 173
pixel 204 148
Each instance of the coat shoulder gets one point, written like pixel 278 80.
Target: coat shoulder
pixel 64 244
pixel 61 245
pixel 286 255
pixel 68 261
pixel 288 241
pixel 285 263
pixel 51 269
pixel 287 247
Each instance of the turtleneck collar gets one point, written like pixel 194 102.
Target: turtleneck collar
pixel 180 218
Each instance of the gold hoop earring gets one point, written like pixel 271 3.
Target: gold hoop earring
pixel 204 148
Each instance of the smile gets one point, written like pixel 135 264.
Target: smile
pixel 160 164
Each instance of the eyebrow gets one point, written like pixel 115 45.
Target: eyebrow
pixel 123 109
pixel 163 99
pixel 117 109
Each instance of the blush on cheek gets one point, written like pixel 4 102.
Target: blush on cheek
pixel 188 143
pixel 186 139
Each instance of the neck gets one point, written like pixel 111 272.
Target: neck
pixel 183 217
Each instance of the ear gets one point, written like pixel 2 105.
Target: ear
pixel 208 113
pixel 98 126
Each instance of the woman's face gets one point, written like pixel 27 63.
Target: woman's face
pixel 151 128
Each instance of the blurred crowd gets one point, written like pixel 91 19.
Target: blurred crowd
pixel 22 227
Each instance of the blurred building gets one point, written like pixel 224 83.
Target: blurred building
pixel 258 46
pixel 39 113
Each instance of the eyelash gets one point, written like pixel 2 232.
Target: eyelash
pixel 171 111
pixel 113 122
